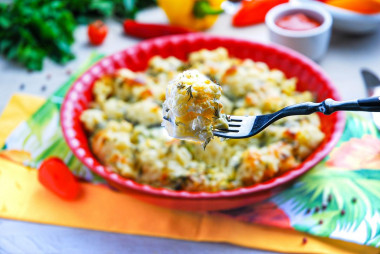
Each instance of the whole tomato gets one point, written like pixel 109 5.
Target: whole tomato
pixel 97 32
pixel 57 177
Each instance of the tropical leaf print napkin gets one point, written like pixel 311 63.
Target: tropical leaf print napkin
pixel 338 198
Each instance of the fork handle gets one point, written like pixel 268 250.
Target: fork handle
pixel 330 106
pixel 371 104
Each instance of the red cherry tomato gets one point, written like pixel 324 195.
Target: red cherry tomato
pixel 97 32
pixel 57 177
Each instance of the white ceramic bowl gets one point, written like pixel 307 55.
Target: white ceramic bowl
pixel 313 43
pixel 349 21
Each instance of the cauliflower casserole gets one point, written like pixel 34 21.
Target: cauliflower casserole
pixel 124 124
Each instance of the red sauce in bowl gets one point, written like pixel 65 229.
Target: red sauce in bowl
pixel 297 22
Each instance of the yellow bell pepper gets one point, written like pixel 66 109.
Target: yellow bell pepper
pixel 193 14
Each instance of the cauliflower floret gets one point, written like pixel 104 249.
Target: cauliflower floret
pixel 242 78
pixel 308 137
pixel 212 63
pixel 113 146
pixel 192 108
pixel 146 112
pixel 115 108
pixel 259 164
pixel 159 65
pixel 103 88
pixel 228 106
pixel 91 118
pixel 129 85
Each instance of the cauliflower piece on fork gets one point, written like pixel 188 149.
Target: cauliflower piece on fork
pixel 192 108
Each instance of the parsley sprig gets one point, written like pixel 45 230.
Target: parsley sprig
pixel 216 112
pixel 189 92
pixel 32 30
pixel 180 86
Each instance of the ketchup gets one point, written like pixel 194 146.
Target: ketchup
pixel 297 22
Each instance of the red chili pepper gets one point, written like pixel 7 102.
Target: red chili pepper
pixel 97 32
pixel 148 30
pixel 57 177
pixel 254 11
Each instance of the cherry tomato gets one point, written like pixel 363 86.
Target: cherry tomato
pixel 97 32
pixel 57 177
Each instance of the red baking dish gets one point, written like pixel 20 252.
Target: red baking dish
pixel 310 77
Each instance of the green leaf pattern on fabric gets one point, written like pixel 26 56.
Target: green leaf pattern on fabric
pixel 337 202
pixel 41 134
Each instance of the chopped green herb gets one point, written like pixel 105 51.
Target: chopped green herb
pixel 213 79
pixel 217 111
pixel 183 67
pixel 178 123
pixel 189 92
pixel 181 86
pixel 206 143
pixel 236 167
pixel 169 150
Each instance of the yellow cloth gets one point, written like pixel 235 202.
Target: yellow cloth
pixel 98 208
pixel 19 108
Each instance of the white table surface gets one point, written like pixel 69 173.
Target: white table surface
pixel 345 57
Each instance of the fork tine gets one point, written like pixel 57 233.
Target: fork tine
pixel 235 118
pixel 238 127
pixel 234 125
pixel 230 127
pixel 227 134
pixel 233 128
pixel 226 130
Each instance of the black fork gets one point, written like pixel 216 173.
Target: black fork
pixel 247 126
